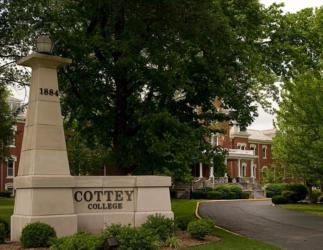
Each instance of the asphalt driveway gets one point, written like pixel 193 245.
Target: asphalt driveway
pixel 261 221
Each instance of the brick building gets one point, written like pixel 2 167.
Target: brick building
pixel 9 165
pixel 249 154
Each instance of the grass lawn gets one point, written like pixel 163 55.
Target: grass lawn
pixel 316 209
pixel 181 208
pixel 6 208
pixel 228 241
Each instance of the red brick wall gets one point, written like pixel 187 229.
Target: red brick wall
pixel 13 151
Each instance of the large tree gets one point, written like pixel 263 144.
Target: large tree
pixel 299 142
pixel 6 121
pixel 298 44
pixel 145 73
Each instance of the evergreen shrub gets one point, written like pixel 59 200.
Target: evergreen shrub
pixel 130 238
pixel 160 226
pixel 299 190
pixel 2 233
pixel 5 194
pixel 181 222
pixel 198 229
pixel 275 189
pixel 37 235
pixel 245 195
pixel 78 241
pixel 290 196
pixel 6 226
pixel 278 199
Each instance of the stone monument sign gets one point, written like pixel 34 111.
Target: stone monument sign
pixel 45 190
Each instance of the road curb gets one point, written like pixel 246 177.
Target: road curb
pixel 226 230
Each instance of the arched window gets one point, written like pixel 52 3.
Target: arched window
pixel 243 169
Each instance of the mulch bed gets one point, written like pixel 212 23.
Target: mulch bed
pixel 186 241
pixel 16 246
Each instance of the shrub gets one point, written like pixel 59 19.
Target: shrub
pixel 320 199
pixel 299 190
pixel 160 226
pixel 182 222
pixel 198 195
pixel 275 189
pixel 173 242
pixel 214 195
pixel 6 226
pixel 2 233
pixel 290 196
pixel 245 195
pixel 278 199
pixel 76 242
pixel 172 193
pixel 237 190
pixel 314 196
pixel 198 229
pixel 228 191
pixel 130 238
pixel 37 235
pixel 5 194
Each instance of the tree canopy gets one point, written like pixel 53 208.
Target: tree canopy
pixel 145 73
pixel 6 121
pixel 298 145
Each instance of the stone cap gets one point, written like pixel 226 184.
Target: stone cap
pixel 39 59
pixel 59 181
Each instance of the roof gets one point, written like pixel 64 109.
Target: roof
pixel 261 135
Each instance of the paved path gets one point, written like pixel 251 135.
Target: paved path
pixel 261 221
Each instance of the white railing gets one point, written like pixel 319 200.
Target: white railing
pixel 241 152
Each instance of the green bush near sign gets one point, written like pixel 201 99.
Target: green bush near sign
pixel 78 241
pixel 198 229
pixel 37 235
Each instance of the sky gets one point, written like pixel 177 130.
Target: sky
pixel 264 120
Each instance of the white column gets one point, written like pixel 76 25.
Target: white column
pixel 251 170
pixel 201 170
pixel 239 173
pixel 212 172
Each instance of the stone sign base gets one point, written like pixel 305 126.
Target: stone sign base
pixel 88 203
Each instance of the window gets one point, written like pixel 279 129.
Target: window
pixel 12 143
pixel 264 152
pixel 243 169
pixel 254 148
pixel 241 146
pixel 11 167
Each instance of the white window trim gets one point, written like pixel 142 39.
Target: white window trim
pixel 254 148
pixel 239 145
pixel 264 155
pixel 14 131
pixel 243 169
pixel 14 166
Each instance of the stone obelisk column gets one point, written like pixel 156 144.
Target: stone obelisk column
pixel 44 184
